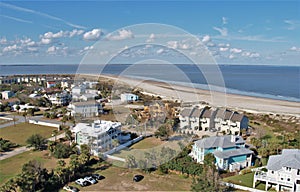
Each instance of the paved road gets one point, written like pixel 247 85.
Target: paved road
pixel 19 119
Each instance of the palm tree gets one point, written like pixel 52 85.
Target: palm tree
pixel 54 134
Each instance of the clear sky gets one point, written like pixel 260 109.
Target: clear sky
pixel 236 32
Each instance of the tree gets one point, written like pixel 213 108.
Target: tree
pixel 31 111
pixel 24 115
pixel 68 134
pixel 163 132
pixel 6 145
pixel 18 108
pixel 130 162
pixel 62 151
pixel 36 141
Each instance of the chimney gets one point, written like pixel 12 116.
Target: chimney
pixel 232 138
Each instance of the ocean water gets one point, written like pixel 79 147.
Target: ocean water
pixel 276 82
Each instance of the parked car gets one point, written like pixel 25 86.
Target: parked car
pixel 71 188
pixel 82 182
pixel 97 176
pixel 90 179
pixel 138 178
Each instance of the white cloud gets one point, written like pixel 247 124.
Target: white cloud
pixel 52 49
pixel 222 49
pixel 92 35
pixel 151 38
pixel 32 49
pixel 75 32
pixel 294 48
pixel 254 55
pixel 231 56
pixel 224 20
pixel 173 44
pixel 223 31
pixel 3 40
pixel 292 24
pixel 235 50
pixel 206 39
pixel 10 48
pixel 122 34
pixel 46 41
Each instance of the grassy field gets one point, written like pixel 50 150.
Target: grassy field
pixel 147 143
pixel 120 179
pixel 3 121
pixel 245 180
pixel 19 133
pixel 12 166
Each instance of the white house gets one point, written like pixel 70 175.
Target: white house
pixel 184 117
pixel 207 119
pixel 283 171
pixel 50 84
pixel 85 109
pixel 229 151
pixel 60 98
pixel 22 107
pixel 7 94
pixel 129 97
pixel 77 90
pixel 99 134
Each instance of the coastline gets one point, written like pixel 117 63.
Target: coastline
pixel 216 99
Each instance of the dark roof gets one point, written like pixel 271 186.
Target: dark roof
pixel 288 158
pixel 196 112
pixel 186 112
pixel 227 115
pixel 85 103
pixel 207 113
pixel 220 113
pixel 232 153
pixel 236 117
pixel 219 141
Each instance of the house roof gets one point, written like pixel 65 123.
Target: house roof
pixel 236 117
pixel 232 153
pixel 196 112
pixel 89 103
pixel 288 158
pixel 186 112
pixel 207 113
pixel 219 141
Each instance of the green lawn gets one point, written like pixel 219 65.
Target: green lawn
pixel 12 166
pixel 120 179
pixel 245 180
pixel 19 133
pixel 148 142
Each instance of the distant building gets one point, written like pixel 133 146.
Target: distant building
pixel 129 97
pixel 283 171
pixel 50 84
pixel 195 119
pixel 98 135
pixel 229 151
pixel 78 90
pixel 7 94
pixel 85 109
pixel 23 107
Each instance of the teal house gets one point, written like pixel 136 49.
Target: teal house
pixel 229 150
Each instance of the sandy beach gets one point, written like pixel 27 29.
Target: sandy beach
pixel 216 99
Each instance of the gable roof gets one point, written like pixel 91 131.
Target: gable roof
pixel 236 117
pixel 288 158
pixel 207 113
pixel 186 112
pixel 219 141
pixel 196 112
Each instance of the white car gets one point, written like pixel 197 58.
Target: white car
pixel 82 182
pixel 70 188
pixel 91 180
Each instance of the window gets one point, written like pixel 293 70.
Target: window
pixel 298 172
pixel 272 172
pixel 288 179
pixel 281 178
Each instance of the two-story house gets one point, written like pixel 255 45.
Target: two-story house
pixel 283 171
pixel 229 151
pixel 85 109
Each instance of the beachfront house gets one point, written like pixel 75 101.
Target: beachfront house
pixel 7 94
pixel 85 109
pixel 99 135
pixel 209 119
pixel 229 151
pixel 129 97
pixel 283 171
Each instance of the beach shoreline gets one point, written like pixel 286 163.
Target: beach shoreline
pixel 215 99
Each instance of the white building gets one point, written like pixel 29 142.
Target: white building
pixel 129 97
pixel 99 135
pixel 50 84
pixel 22 107
pixel 60 98
pixel 7 94
pixel 222 120
pixel 283 171
pixel 78 90
pixel 85 109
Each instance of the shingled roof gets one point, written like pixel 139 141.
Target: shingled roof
pixel 288 158
pixel 219 141
pixel 232 153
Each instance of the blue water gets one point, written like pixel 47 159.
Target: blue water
pixel 276 82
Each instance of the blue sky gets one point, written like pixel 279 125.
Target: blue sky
pixel 236 32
